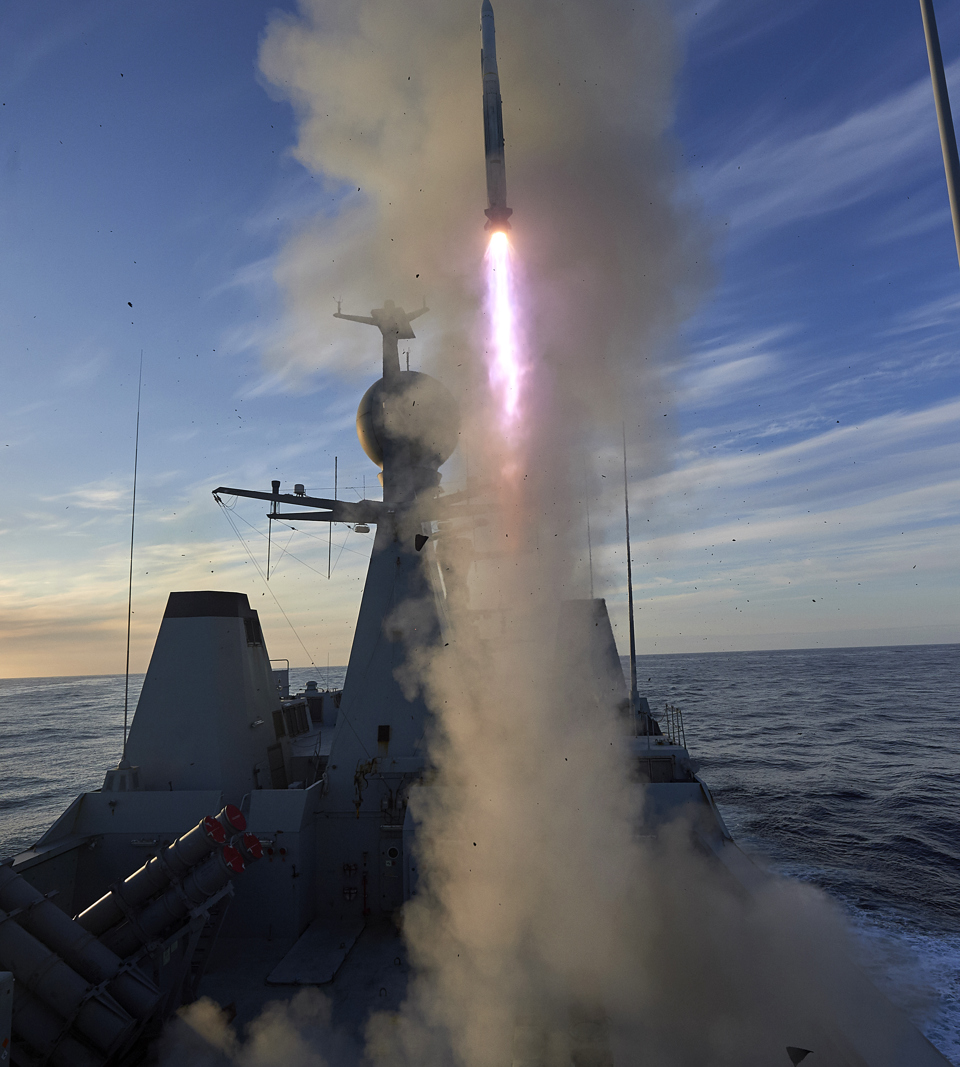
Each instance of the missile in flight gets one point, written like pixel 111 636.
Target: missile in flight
pixel 497 213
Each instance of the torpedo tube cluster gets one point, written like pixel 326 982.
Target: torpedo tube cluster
pixel 86 988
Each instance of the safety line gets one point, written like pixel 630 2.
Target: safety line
pixel 267 585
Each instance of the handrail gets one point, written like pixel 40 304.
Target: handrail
pixel 672 725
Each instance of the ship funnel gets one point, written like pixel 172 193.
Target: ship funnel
pixel 208 691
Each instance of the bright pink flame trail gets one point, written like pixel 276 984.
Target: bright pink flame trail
pixel 506 371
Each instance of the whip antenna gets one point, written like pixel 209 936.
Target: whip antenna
pixel 330 533
pixel 634 695
pixel 586 496
pixel 133 522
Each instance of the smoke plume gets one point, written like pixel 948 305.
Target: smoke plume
pixel 389 101
pixel 545 931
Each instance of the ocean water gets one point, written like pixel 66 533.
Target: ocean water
pixel 839 767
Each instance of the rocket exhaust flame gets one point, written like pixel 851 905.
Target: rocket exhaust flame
pixel 505 365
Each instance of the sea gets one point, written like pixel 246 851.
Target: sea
pixel 839 767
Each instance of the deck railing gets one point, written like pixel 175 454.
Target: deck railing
pixel 671 723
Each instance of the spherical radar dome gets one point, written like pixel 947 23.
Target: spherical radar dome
pixel 418 416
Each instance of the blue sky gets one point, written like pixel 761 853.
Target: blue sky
pixel 814 392
pixel 822 373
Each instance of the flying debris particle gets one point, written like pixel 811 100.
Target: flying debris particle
pixel 129 305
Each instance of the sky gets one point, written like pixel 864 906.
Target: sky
pixel 812 409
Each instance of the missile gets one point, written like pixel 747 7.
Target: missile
pixel 498 212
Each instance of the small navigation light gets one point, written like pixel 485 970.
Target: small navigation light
pixel 276 486
pixel 298 489
pixel 361 527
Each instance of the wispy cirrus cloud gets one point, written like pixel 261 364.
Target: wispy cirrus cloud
pixel 931 432
pixel 780 178
pixel 817 539
pixel 722 365
pixel 935 314
pixel 720 26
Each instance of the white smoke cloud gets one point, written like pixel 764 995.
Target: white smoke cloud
pixel 291 1034
pixel 389 100
pixel 546 930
